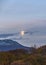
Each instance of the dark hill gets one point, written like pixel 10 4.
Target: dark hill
pixel 21 57
pixel 42 50
pixel 7 44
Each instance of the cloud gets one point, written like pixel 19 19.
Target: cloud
pixel 5 35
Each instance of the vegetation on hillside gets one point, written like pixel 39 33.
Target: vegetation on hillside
pixel 22 57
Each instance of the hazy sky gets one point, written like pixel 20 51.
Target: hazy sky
pixel 21 12
pixel 27 15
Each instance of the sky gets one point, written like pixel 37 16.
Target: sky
pixel 20 12
pixel 27 15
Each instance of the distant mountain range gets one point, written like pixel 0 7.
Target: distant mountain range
pixel 5 35
pixel 8 44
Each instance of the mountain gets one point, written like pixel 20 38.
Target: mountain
pixel 42 50
pixel 5 35
pixel 21 57
pixel 8 44
pixel 37 57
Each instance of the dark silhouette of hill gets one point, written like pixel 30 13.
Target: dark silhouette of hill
pixel 7 44
pixel 42 50
pixel 22 57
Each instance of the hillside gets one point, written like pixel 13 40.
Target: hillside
pixel 8 44
pixel 22 57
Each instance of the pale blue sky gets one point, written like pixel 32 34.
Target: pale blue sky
pixel 16 12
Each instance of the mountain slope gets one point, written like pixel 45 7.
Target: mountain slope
pixel 7 44
pixel 21 57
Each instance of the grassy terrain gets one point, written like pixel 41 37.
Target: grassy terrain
pixel 22 57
